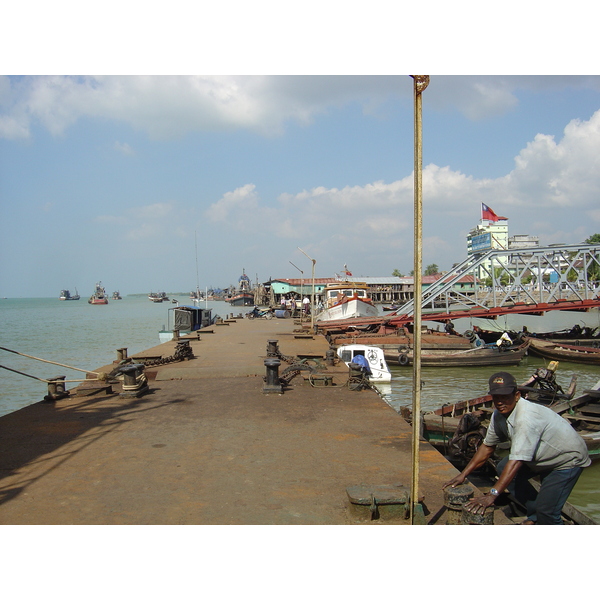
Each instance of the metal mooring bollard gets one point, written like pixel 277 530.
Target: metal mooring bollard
pixel 175 335
pixel 56 388
pixel 272 382
pixel 121 354
pixel 487 518
pixel 454 500
pixel 272 348
pixel 330 357
pixel 135 383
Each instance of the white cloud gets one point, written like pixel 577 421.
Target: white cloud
pixel 552 178
pixel 171 106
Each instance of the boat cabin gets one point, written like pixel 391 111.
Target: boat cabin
pixel 334 292
pixel 186 319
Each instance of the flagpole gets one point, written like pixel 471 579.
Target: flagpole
pixel 416 512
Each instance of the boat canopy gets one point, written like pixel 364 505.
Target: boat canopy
pixel 190 318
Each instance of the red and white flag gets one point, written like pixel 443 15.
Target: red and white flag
pixel 489 215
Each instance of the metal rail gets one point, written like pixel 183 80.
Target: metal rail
pixel 505 277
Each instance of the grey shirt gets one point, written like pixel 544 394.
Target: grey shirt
pixel 538 437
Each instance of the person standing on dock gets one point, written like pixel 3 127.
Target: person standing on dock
pixel 541 443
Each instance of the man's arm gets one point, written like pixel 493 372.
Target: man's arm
pixel 478 505
pixel 481 456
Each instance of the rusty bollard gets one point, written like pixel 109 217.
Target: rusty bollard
pixel 121 354
pixel 272 348
pixel 487 518
pixel 454 500
pixel 272 382
pixel 56 388
pixel 330 357
pixel 135 383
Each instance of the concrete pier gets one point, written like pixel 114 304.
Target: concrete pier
pixel 206 445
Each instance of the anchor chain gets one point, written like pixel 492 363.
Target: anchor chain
pixel 183 351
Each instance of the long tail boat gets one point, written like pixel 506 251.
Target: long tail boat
pixel 564 352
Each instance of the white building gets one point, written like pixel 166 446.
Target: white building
pixel 490 234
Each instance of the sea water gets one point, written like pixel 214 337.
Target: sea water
pixel 77 334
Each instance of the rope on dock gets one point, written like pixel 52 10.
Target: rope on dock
pixel 99 375
pixel 48 380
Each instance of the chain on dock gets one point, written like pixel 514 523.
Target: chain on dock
pixel 183 351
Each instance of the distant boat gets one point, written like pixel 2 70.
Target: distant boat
pixel 244 295
pixel 347 300
pixel 116 296
pixel 99 295
pixel 66 295
pixel 158 297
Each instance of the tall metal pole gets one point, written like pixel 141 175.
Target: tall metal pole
pixel 301 284
pixel 416 514
pixel 312 303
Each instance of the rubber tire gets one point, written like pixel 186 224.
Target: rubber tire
pixel 403 360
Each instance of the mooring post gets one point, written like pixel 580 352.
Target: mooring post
pixel 454 500
pixel 272 348
pixel 135 383
pixel 121 354
pixel 272 382
pixel 330 357
pixel 56 388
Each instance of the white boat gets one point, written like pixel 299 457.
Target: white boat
pixel 380 372
pixel 347 300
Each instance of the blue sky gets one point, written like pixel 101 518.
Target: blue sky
pixel 112 178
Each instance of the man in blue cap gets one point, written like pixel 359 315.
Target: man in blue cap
pixel 541 443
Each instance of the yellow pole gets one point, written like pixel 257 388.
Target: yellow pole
pixel 420 83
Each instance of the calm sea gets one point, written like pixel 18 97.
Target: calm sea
pixel 80 335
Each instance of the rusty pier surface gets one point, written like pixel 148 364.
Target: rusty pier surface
pixel 207 445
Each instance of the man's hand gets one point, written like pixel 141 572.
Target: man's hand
pixel 458 480
pixel 478 505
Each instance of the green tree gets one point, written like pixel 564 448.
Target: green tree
pixel 432 269
pixel 396 273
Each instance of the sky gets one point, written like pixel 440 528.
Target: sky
pixel 155 182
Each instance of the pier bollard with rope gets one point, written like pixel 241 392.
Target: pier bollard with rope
pixel 135 382
pixel 56 389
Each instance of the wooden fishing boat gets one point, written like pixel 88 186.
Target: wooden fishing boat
pixel 392 339
pixel 480 356
pixel 244 295
pixel 346 300
pixel 564 352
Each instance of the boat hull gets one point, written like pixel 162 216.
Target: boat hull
pixel 242 300
pixel 476 357
pixel 349 309
pixel 565 352
pixel 374 355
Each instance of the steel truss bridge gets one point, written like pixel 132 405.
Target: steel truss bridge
pixel 500 282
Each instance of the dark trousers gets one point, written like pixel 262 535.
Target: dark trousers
pixel 543 507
